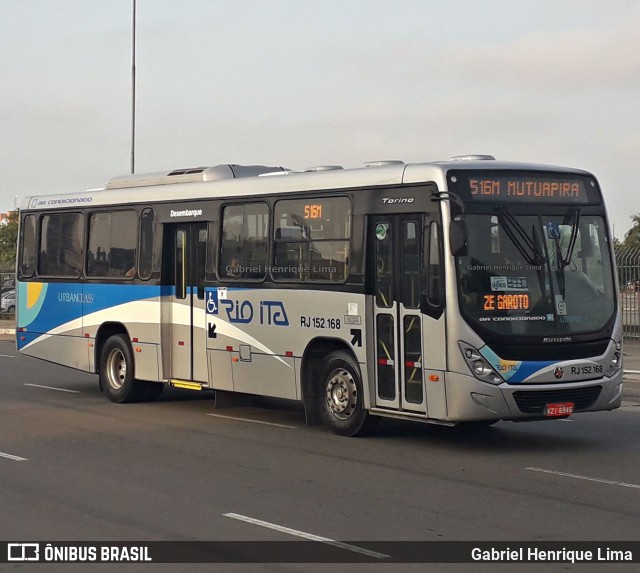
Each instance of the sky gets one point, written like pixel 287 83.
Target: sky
pixel 300 83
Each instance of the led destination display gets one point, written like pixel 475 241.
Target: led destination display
pixel 506 302
pixel 313 211
pixel 518 187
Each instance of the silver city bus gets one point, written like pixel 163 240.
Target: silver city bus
pixel 468 290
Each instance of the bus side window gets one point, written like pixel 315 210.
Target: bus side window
pixel 411 264
pixel 60 252
pixel 201 261
pixel 28 254
pixel 432 301
pixel 181 264
pixel 244 241
pixel 435 268
pixel 231 243
pixel 312 239
pixel 113 244
pixel 145 265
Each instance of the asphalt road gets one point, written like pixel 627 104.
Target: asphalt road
pixel 82 468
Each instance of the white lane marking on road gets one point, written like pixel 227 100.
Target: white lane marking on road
pixel 52 388
pixel 15 458
pixel 6 356
pixel 254 421
pixel 304 535
pixel 587 478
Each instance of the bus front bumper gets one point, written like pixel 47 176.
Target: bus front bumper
pixel 469 399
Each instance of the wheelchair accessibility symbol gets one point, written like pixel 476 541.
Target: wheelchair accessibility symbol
pixel 212 302
pixel 553 230
pixel 213 298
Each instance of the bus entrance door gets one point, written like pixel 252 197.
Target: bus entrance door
pixel 183 311
pixel 396 243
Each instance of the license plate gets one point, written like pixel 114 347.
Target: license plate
pixel 559 409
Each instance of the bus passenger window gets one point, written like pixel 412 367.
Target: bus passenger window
pixel 434 270
pixel 411 264
pixel 61 236
pixel 201 256
pixel 113 243
pixel 28 255
pixel 245 236
pixel 311 239
pixel 146 243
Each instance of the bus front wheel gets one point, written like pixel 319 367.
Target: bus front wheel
pixel 341 404
pixel 116 371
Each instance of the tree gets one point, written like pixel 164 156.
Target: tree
pixel 632 237
pixel 9 241
pixel 628 256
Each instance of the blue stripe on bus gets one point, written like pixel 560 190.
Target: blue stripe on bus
pixel 527 369
pixel 45 306
pixel 514 371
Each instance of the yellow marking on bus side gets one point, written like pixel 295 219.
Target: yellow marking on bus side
pixel 186 385
pixel 33 293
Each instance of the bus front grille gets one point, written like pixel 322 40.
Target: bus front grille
pixel 534 402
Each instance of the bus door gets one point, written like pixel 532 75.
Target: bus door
pixel 396 243
pixel 185 254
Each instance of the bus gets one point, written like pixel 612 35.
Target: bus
pixel 464 291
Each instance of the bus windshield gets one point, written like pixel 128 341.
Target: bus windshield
pixel 537 275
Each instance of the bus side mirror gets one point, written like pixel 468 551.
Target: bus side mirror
pixel 458 237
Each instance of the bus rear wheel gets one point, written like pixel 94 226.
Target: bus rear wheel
pixel 116 371
pixel 340 396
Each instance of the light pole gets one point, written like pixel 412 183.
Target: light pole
pixel 133 90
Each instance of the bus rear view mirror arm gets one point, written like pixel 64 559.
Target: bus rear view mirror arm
pixel 458 237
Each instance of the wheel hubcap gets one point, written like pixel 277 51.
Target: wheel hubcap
pixel 116 369
pixel 341 393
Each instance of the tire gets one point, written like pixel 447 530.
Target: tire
pixel 11 310
pixel 340 396
pixel 117 371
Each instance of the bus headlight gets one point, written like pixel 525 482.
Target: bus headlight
pixel 616 361
pixel 481 369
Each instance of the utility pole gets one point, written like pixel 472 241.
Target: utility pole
pixel 133 90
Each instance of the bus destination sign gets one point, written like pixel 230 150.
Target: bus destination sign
pixel 488 186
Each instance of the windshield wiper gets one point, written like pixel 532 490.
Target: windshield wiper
pixel 564 261
pixel 525 243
